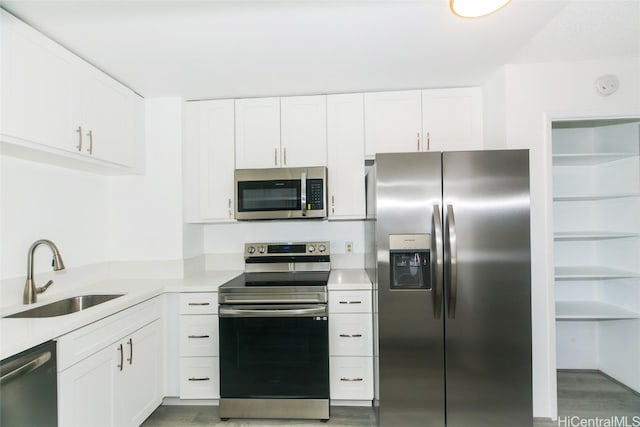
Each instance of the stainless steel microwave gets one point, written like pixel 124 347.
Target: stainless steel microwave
pixel 281 193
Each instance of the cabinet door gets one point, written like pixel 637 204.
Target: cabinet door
pixel 257 133
pixel 209 157
pixel 392 122
pixel 304 131
pixel 86 391
pixel 345 156
pixel 138 387
pixel 452 119
pixel 107 117
pixel 37 88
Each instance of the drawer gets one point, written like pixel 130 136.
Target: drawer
pixel 351 378
pixel 199 303
pixel 199 378
pixel 350 302
pixel 199 335
pixel 351 334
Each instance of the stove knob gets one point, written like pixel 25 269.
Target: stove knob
pixel 251 250
pixel 262 249
pixel 322 248
pixel 311 249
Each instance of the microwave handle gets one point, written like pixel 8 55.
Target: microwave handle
pixel 303 193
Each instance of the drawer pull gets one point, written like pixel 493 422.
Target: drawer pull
pixel 199 379
pixel 198 336
pixel 351 379
pixel 350 302
pixel 350 335
pixel 199 303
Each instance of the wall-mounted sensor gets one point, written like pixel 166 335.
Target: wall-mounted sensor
pixel 607 84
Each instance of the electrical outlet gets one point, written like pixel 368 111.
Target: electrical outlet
pixel 348 247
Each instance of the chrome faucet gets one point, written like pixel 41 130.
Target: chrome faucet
pixel 31 292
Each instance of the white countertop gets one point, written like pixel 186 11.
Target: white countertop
pixel 19 334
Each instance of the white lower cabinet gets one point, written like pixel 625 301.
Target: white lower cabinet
pixel 199 361
pixel 351 378
pixel 121 383
pixel 351 345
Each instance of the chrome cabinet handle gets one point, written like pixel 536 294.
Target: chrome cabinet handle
pixel 437 262
pixel 130 343
pixel 79 146
pixel 350 335
pixel 199 336
pixel 121 350
pixel 351 379
pixel 275 156
pixel 428 141
pixel 199 379
pixel 200 303
pixel 418 141
pixel 451 261
pixel 90 135
pixel 350 302
pixel 284 155
pixel 303 192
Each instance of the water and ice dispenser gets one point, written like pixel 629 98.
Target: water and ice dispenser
pixel 409 261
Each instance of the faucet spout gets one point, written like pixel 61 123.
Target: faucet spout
pixel 31 291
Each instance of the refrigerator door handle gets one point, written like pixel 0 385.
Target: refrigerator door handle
pixel 451 262
pixel 437 262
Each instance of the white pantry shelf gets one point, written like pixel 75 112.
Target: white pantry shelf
pixel 590 272
pixel 591 235
pixel 590 197
pixel 580 159
pixel 592 310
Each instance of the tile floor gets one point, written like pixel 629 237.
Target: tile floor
pixel 585 395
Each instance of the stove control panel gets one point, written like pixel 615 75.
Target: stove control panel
pixel 253 250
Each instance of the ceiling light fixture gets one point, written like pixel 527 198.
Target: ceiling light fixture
pixel 476 8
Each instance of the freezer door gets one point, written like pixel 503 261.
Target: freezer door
pixel 487 288
pixel 409 296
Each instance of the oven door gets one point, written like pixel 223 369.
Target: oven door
pixel 274 352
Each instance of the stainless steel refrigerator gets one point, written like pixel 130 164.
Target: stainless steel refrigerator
pixel 453 300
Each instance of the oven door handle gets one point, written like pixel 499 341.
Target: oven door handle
pixel 270 311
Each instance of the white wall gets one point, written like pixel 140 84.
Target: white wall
pixel 42 201
pixel 145 212
pixel 229 239
pixel 533 94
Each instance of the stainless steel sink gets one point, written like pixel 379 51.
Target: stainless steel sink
pixel 66 306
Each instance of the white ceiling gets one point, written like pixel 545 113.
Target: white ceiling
pixel 230 49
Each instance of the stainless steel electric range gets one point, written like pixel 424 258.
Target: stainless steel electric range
pixel 274 337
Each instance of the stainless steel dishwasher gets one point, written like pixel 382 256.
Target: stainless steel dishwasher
pixel 28 388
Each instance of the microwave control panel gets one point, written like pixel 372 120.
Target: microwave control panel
pixel 315 194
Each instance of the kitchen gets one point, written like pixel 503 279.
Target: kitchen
pixel 133 227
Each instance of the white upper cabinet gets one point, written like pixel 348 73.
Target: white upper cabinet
pixel 452 119
pixel 209 161
pixel 423 120
pixel 281 132
pixel 36 84
pixel 345 148
pixel 106 117
pixel 257 133
pixel 63 107
pixel 304 131
pixel 392 122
